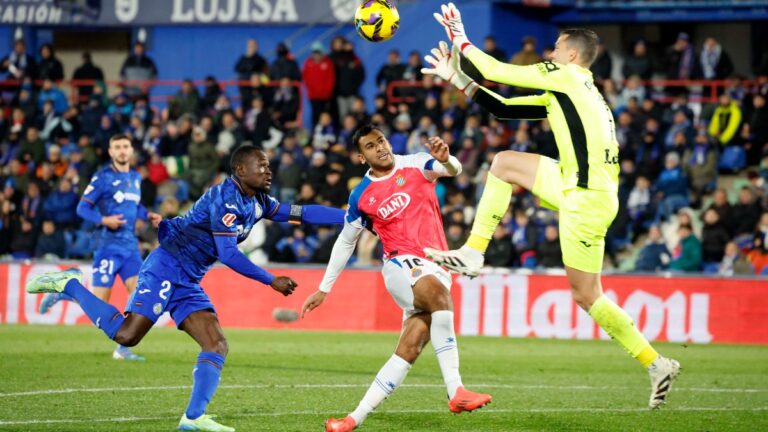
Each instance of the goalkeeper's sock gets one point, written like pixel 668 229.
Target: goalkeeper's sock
pixel 205 379
pixel 493 204
pixel 102 314
pixel 387 380
pixel 444 341
pixel 618 324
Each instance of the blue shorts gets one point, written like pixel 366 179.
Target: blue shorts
pixel 109 262
pixel 163 286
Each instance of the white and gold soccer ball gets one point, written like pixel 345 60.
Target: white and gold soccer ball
pixel 377 20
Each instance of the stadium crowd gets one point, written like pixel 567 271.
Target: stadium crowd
pixel 693 179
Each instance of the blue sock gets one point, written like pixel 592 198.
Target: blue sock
pixel 102 314
pixel 206 377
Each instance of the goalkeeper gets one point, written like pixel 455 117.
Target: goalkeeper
pixel 582 186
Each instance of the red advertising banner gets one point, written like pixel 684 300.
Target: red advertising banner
pixel 677 309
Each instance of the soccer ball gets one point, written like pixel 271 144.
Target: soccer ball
pixel 377 20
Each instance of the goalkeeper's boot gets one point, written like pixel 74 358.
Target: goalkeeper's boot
pixel 663 373
pixel 124 353
pixel 340 425
pixel 203 423
pixel 467 401
pixel 53 282
pixel 465 261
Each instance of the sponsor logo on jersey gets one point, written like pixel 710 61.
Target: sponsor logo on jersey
pixel 88 189
pixel 230 206
pixel 228 219
pixel 121 196
pixel 116 182
pixel 394 205
pixel 400 180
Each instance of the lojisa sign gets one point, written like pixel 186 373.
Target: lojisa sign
pixel 172 12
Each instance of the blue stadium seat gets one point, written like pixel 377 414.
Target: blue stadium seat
pixel 733 159
pixel 711 267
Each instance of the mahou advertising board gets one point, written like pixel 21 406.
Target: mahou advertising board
pixel 675 308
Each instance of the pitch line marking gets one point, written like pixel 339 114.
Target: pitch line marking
pixel 406 411
pixel 321 386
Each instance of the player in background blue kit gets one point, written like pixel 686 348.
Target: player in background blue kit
pixel 170 277
pixel 113 200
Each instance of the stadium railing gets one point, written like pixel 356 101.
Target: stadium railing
pixel 699 91
pixel 161 92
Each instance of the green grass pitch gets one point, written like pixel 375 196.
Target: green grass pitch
pixel 63 379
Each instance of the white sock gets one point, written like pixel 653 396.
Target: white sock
pixel 444 342
pixel 389 378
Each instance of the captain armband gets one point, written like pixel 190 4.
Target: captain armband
pixel 294 216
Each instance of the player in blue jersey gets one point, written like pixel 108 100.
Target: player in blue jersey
pixel 113 201
pixel 169 279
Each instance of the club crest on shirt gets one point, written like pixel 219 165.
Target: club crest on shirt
pixel 258 211
pixel 399 180
pixel 228 219
pixel 394 205
pixel 371 200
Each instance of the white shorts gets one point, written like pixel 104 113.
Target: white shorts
pixel 403 271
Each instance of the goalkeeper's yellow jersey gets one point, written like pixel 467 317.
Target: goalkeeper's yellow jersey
pixel 580 118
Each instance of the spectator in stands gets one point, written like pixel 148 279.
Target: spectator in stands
pixel 758 256
pixel 324 134
pixel 492 49
pixel 203 163
pixel 319 77
pixel 284 66
pixel 745 214
pixel 721 205
pixel 334 192
pixel 603 65
pixel 51 242
pixel 87 71
pixel 611 93
pixel 350 74
pixel 393 70
pixel 687 255
pixel 49 66
pixel 714 237
pixel 671 188
pixel 527 54
pixel 715 62
pixel 186 100
pixel 53 93
pixel 639 203
pixel 32 147
pixel 524 237
pixel 726 120
pixel 654 255
pixel 761 230
pixel 499 252
pixel 680 124
pixel 548 252
pixel 639 62
pixel 734 262
pixel 289 176
pixel 681 62
pixel 285 104
pixel 413 67
pixel 18 64
pixel 138 67
pixel 23 243
pixel 755 129
pixel 247 65
pixel 60 205
pixel 700 166
pixel 632 89
pixel 211 92
pixel 257 122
